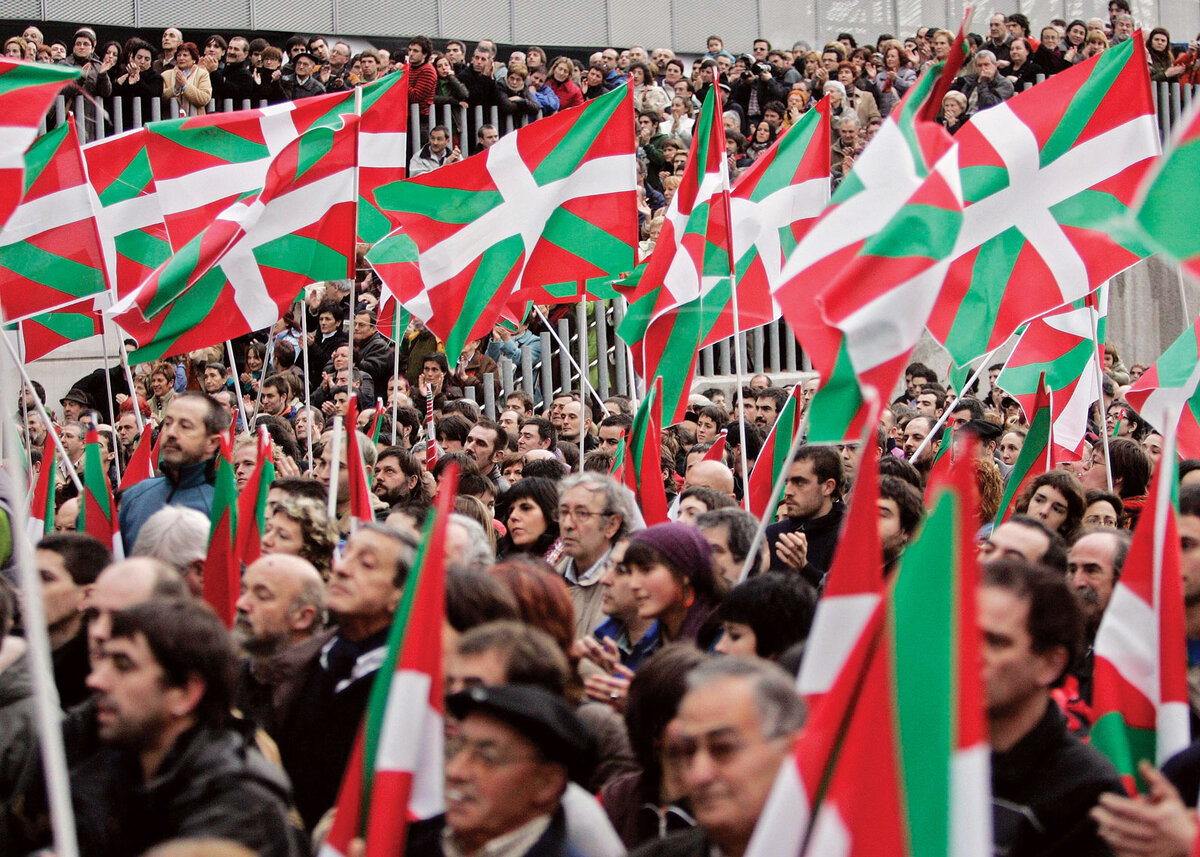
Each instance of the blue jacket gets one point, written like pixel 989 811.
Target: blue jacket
pixel 140 501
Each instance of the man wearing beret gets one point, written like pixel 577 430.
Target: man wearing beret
pixel 507 767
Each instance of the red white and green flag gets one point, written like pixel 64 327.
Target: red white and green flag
pixel 1059 346
pixel 1140 690
pixel 1045 177
pixel 252 501
pixel 27 91
pixel 356 471
pixel 1155 211
pixel 858 289
pixel 640 462
pixel 1167 392
pixel 222 565
pixel 50 253
pixel 395 771
pixel 554 199
pixel 665 322
pixel 97 509
pixel 144 460
pixel 204 164
pixel 244 271
pixel 1037 453
pixel 130 217
pixel 896 755
pixel 43 334
pixel 853 587
pixel 41 510
pixel 382 151
pixel 768 466
pixel 393 319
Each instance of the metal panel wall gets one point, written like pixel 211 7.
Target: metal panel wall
pixel 642 22
pixel 200 18
pixel 119 12
pixel 546 22
pixel 387 19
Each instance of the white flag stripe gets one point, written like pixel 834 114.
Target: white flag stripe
pixel 382 149
pixel 784 820
pixel 971 801
pixel 1128 639
pixel 35 216
pixel 836 628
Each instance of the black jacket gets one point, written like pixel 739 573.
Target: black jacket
pixel 822 534
pixel 1042 790
pixel 481 88
pixel 212 783
pixel 425 839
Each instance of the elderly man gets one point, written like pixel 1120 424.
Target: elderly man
pixel 189 440
pixel 594 512
pixel 178 537
pixel 1094 566
pixel 329 693
pixel 734 729
pixel 986 87
pixel 515 750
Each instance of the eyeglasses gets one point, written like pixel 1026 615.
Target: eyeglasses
pixel 580 514
pixel 484 753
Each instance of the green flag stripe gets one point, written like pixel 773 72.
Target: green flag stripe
pixel 586 240
pixel 131 183
pixel 495 265
pixel 929 229
pixel 143 248
pixel 300 254
pixel 570 151
pixel 1086 101
pixel 51 270
pixel 211 140
pixel 1160 214
pixel 445 205
pixel 43 150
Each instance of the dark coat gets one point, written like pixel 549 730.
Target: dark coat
pixel 212 783
pixel 1042 790
pixel 425 839
pixel 822 536
pixel 374 356
pixel 269 686
pixel 685 843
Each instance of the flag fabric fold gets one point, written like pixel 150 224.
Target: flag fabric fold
pixel 1036 456
pixel 356 471
pixel 97 509
pixel 640 465
pixel 45 333
pixel 252 501
pixel 1167 392
pixel 222 566
pixel 768 466
pixel 41 510
pixel 144 460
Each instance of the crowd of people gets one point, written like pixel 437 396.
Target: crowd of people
pixel 611 686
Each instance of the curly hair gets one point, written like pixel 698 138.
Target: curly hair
pixel 319 534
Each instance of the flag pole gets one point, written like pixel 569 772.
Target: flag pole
pixel 334 462
pixel 28 445
pixel 112 415
pixel 776 492
pixel 566 350
pixel 41 409
pixel 395 376
pixel 47 708
pixel 581 317
pixel 1101 417
pixel 238 387
pixel 307 377
pixel 949 408
pixel 137 409
pixel 267 357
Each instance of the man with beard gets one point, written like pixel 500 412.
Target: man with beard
pixel 189 440
pixel 804 541
pixel 278 626
pixel 901 510
pixel 397 476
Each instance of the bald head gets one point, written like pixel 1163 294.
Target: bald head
pixel 711 474
pixel 124 584
pixel 282 604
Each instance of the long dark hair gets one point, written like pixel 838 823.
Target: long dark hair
pixel 544 493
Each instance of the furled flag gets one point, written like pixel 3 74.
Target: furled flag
pixel 665 322
pixel 717 451
pixel 393 319
pixel 26 92
pixel 204 164
pixel 356 471
pixel 42 334
pixel 621 459
pixel 50 252
pixel 853 587
pixel 97 510
pixel 553 199
pixel 641 464
pixel 896 754
pixel 768 467
pixel 41 510
pixel 246 269
pixel 252 502
pixel 132 231
pixel 1036 456
pixel 395 771
pixel 1155 211
pixel 222 566
pixel 144 460
pixel 1167 392
pixel 858 288
pixel 1140 690
pixel 1059 346
pixel 1044 176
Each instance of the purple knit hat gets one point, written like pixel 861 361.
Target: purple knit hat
pixel 682 545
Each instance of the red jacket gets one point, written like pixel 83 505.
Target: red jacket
pixel 422 84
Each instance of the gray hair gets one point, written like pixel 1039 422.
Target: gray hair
pixel 479 554
pixel 175 535
pixel 616 500
pixel 781 711
pixel 739 524
pixel 985 54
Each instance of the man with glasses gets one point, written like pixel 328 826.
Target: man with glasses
pixel 594 512
pixel 733 731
